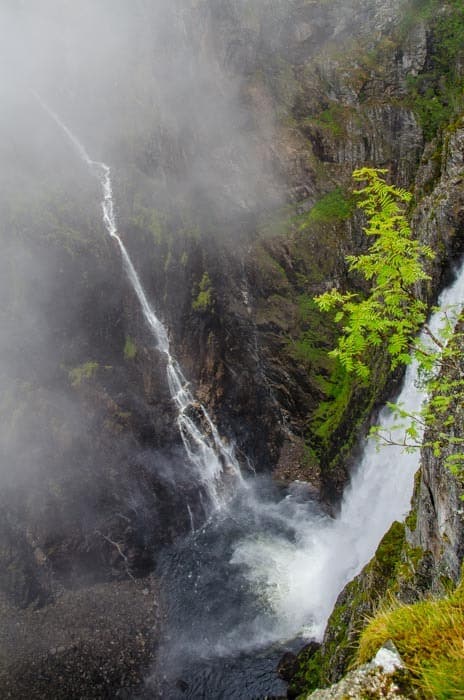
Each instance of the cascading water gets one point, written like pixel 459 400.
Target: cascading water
pixel 263 569
pixel 269 569
pixel 211 456
pixel 302 579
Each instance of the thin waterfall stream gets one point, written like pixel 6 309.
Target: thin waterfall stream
pixel 206 450
pixel 262 573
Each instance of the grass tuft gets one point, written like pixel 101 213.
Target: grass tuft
pixel 430 638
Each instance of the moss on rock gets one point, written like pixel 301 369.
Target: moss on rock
pixel 357 600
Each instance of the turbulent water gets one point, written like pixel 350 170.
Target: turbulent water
pixel 265 568
pixel 302 577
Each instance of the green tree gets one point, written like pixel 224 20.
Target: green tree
pixel 390 315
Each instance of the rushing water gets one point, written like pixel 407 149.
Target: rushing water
pixel 266 567
pixel 267 570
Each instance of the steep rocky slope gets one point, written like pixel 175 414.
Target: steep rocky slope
pixel 234 222
pixel 424 555
pixel 333 108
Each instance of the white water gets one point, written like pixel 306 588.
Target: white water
pixel 302 578
pixel 212 458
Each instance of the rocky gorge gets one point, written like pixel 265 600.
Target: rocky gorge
pixel 232 129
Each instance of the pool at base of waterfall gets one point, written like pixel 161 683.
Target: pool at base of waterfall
pixel 228 621
pixel 251 676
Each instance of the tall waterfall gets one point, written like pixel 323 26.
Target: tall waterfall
pixel 206 450
pixel 269 569
pixel 303 577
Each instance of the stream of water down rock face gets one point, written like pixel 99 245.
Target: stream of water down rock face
pixel 209 454
pixel 263 572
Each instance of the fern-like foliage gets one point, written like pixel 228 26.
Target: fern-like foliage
pixel 391 314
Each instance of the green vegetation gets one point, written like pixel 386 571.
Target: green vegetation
pixel 330 119
pixel 130 348
pixel 332 207
pixel 51 216
pixel 204 299
pixel 330 413
pixel 429 637
pixel 307 676
pixel 390 315
pixel 148 219
pixel 335 384
pixel 428 634
pixel 438 94
pixel 309 347
pixel 443 373
pixel 411 520
pixel 361 596
pixel 333 119
pixel 82 373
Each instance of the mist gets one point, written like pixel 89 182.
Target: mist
pixel 143 86
pixel 118 348
pixel 141 90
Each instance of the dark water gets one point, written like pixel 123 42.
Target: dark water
pixel 249 676
pixel 221 634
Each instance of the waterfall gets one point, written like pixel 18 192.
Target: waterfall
pixel 302 578
pixel 267 568
pixel 212 458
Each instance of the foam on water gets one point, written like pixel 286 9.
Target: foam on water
pixel 282 560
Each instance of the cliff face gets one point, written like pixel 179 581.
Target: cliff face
pixel 324 88
pixel 436 524
pixel 319 90
pixel 424 555
pixel 232 169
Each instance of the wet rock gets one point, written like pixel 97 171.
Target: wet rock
pixel 182 685
pixel 383 677
pixel 287 666
pixel 388 658
pixel 297 679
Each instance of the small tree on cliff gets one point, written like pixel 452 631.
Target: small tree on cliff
pixel 391 315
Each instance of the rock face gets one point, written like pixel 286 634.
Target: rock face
pixel 383 677
pixel 437 523
pixel 260 358
pixel 424 555
pixel 233 199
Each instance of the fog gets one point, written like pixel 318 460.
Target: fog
pixel 183 99
pixel 142 84
pixel 146 87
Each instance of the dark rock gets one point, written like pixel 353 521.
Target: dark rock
pixel 286 666
pixel 105 637
pixel 182 685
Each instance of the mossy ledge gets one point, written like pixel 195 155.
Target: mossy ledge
pixel 428 635
pixel 357 600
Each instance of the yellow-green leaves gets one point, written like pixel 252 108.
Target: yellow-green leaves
pixel 390 314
